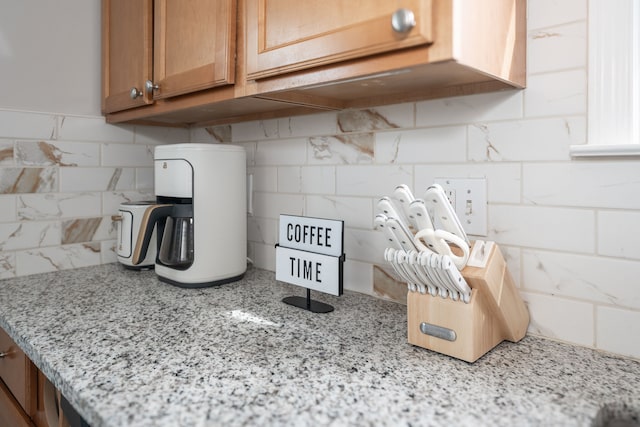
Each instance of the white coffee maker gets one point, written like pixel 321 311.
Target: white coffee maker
pixel 200 215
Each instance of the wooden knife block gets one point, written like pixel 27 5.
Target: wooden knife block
pixel 495 313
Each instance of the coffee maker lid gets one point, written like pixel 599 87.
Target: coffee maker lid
pixel 169 150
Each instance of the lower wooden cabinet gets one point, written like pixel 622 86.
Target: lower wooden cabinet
pixel 11 413
pixel 26 396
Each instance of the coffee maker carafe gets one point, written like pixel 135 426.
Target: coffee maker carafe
pixel 199 215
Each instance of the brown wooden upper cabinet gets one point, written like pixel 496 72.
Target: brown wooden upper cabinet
pixel 178 62
pixel 160 49
pixel 290 35
pixel 338 54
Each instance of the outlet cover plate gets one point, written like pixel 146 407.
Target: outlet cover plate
pixel 470 202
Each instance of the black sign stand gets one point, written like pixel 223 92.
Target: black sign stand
pixel 308 304
pixel 311 257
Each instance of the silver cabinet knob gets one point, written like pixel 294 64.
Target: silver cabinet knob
pixel 150 87
pixel 403 20
pixel 134 93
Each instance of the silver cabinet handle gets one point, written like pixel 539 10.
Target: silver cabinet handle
pixel 134 93
pixel 403 20
pixel 4 354
pixel 150 87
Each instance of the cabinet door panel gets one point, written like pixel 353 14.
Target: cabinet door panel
pixel 14 371
pixel 126 52
pixel 194 45
pixel 290 35
pixel 11 414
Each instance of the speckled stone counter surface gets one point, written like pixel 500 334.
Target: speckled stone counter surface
pixel 128 350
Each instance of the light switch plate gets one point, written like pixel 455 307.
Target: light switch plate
pixel 469 199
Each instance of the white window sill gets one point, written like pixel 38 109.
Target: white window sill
pixel 622 150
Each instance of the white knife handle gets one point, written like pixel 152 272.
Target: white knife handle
pixel 380 223
pixel 414 262
pixel 432 260
pixel 428 261
pixel 405 197
pixel 436 199
pixel 437 260
pixel 418 211
pixel 457 279
pixel 403 236
pixel 386 206
pixel 389 256
pixel 392 210
pixel 402 261
pixel 412 259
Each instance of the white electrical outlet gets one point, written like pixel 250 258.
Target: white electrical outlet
pixel 468 196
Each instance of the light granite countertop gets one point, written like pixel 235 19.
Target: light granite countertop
pixel 128 350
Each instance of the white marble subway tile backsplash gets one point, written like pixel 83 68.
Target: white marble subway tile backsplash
pixel 58 205
pixel 375 119
pixel 433 145
pixel 154 135
pixel 346 149
pixel 144 178
pixel 29 234
pixel 505 178
pixel 548 13
pixel 8 212
pixel 356 212
pixel 526 140
pixel 587 277
pixel 617 329
pixel 28 180
pixel 505 105
pixel 605 184
pixel 291 152
pixel 619 233
pixel 61 179
pixel 314 125
pixel 564 229
pixel 97 179
pixel 306 179
pixel 558 47
pixel 128 155
pixel 372 181
pixel 19 124
pixel 563 319
pixel 560 93
pixel 45 153
pixel 93 129
pixel 111 200
pixel 6 152
pixel 58 258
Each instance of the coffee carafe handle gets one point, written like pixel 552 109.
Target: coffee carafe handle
pixel 151 215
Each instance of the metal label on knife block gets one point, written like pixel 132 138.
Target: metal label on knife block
pixel 438 331
pixel 310 255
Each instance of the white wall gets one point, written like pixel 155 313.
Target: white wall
pixel 50 56
pixel 569 228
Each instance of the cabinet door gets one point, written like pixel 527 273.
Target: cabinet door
pixel 290 35
pixel 194 45
pixel 11 413
pixel 127 31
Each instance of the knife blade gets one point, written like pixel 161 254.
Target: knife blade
pixel 437 202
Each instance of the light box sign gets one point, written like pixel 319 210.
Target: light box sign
pixel 309 253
